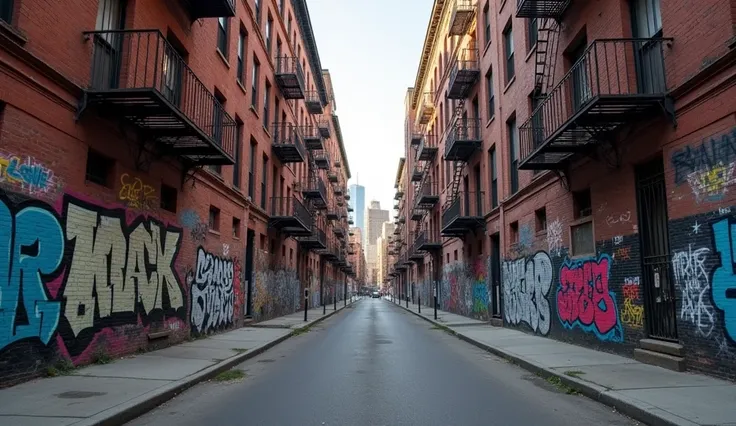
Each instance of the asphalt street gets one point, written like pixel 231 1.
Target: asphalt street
pixel 376 364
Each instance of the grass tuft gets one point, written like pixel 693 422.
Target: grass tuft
pixel 230 375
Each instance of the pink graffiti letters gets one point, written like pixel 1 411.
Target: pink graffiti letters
pixel 585 301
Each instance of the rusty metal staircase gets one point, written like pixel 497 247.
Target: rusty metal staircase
pixel 459 166
pixel 545 57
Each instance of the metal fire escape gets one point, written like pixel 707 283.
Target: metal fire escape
pixel 545 57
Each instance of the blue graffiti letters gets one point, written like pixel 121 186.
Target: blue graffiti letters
pixel 723 287
pixel 718 150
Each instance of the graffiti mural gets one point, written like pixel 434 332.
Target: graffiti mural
pixel 526 286
pixel 212 292
pixel 724 285
pixel 692 279
pixel 585 301
pixel 27 176
pixel 632 313
pixel 136 194
pixel 708 167
pixel 554 237
pixel 463 289
pixel 276 291
pixel 79 269
pixel 198 229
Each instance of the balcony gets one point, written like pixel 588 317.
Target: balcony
pixel 541 8
pixel 464 75
pixel 321 160
pixel 324 127
pixel 210 8
pixel 338 164
pixel 339 232
pixel 316 191
pixel 417 174
pixel 312 137
pixel 616 82
pixel 416 137
pixel 347 196
pixel 428 195
pixel 463 139
pixel 414 254
pixel 332 176
pixel 317 240
pixel 290 77
pixel 463 214
pixel 289 216
pixel 350 208
pixel 332 214
pixel 138 76
pixel 351 221
pixel 417 214
pixel 426 107
pixel 329 253
pixel 338 190
pixel 287 143
pixel 313 102
pixel 399 194
pixel 463 12
pixel 427 149
pixel 428 241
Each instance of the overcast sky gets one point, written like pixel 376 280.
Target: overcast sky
pixel 372 50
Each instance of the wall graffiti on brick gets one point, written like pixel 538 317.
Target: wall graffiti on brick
pixel 198 229
pixel 723 285
pixel 136 194
pixel 585 301
pixel 691 277
pixel 276 291
pixel 554 237
pixel 632 313
pixel 526 287
pixel 314 290
pixel 622 253
pixel 708 167
pixel 464 288
pixel 26 175
pixel 212 292
pixel 82 268
pixel 613 219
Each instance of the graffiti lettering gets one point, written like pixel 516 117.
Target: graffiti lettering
pixel 197 228
pixel 622 253
pixel 213 297
pixel 526 285
pixel 621 218
pixel 554 237
pixel 691 277
pixel 719 150
pixel 136 194
pixel 618 240
pixel 27 175
pixel 585 301
pixel 723 289
pixel 632 314
pixel 711 184
pixel 275 292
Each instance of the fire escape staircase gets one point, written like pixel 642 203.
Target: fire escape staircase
pixel 545 57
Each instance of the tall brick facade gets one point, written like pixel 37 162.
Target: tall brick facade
pixel 144 187
pixel 594 200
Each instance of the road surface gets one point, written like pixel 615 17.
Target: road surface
pixel 376 364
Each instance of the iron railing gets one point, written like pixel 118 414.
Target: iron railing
pixel 610 71
pixel 466 65
pixel 317 184
pixel 318 235
pixel 126 61
pixel 290 65
pixel 467 204
pixel 462 130
pixel 541 8
pixel 290 207
pixel 283 133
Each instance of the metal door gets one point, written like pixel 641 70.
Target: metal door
pixel 657 280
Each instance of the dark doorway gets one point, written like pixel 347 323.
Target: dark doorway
pixel 495 275
pixel 250 243
pixel 657 282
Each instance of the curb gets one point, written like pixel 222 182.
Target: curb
pixel 639 411
pixel 142 404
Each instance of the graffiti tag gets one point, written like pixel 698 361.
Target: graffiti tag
pixel 526 285
pixel 723 287
pixel 136 194
pixel 691 278
pixel 213 296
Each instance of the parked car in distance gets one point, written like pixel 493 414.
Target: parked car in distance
pixel 376 294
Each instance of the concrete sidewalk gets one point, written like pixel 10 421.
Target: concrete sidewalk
pixel 647 393
pixel 115 393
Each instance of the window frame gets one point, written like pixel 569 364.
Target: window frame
pixel 223 34
pixel 508 52
pixel 242 43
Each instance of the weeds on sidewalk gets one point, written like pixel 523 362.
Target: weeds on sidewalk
pixel 557 382
pixel 230 375
pixel 240 350
pixel 100 357
pixel 301 330
pixel 61 367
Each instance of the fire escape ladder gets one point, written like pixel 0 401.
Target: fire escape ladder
pixel 312 174
pixel 458 165
pixel 545 57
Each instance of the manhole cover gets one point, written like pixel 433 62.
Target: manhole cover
pixel 383 342
pixel 79 394
pixel 266 360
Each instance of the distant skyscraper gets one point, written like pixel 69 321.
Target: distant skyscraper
pixel 357 202
pixel 373 230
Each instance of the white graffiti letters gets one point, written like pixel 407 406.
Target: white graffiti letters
pixel 213 299
pixel 692 279
pixel 526 285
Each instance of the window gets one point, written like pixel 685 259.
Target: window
pixel 99 169
pixel 514 232
pixel 236 228
pixel 269 25
pixel 241 56
pixel 214 219
pixel 254 84
pixel 252 170
pixel 237 167
pixel 532 28
pixel 168 198
pixel 508 50
pixel 222 32
pixel 288 28
pixel 108 46
pixel 647 17
pixel 540 219
pixel 491 96
pixel 266 103
pixel 494 176
pixel 281 7
pixel 278 48
pixel 487 23
pixel 6 10
pixel 218 118
pixel 513 154
pixel 258 11
pixel 581 232
pixel 264 180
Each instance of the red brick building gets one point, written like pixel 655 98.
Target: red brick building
pixel 571 173
pixel 155 159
